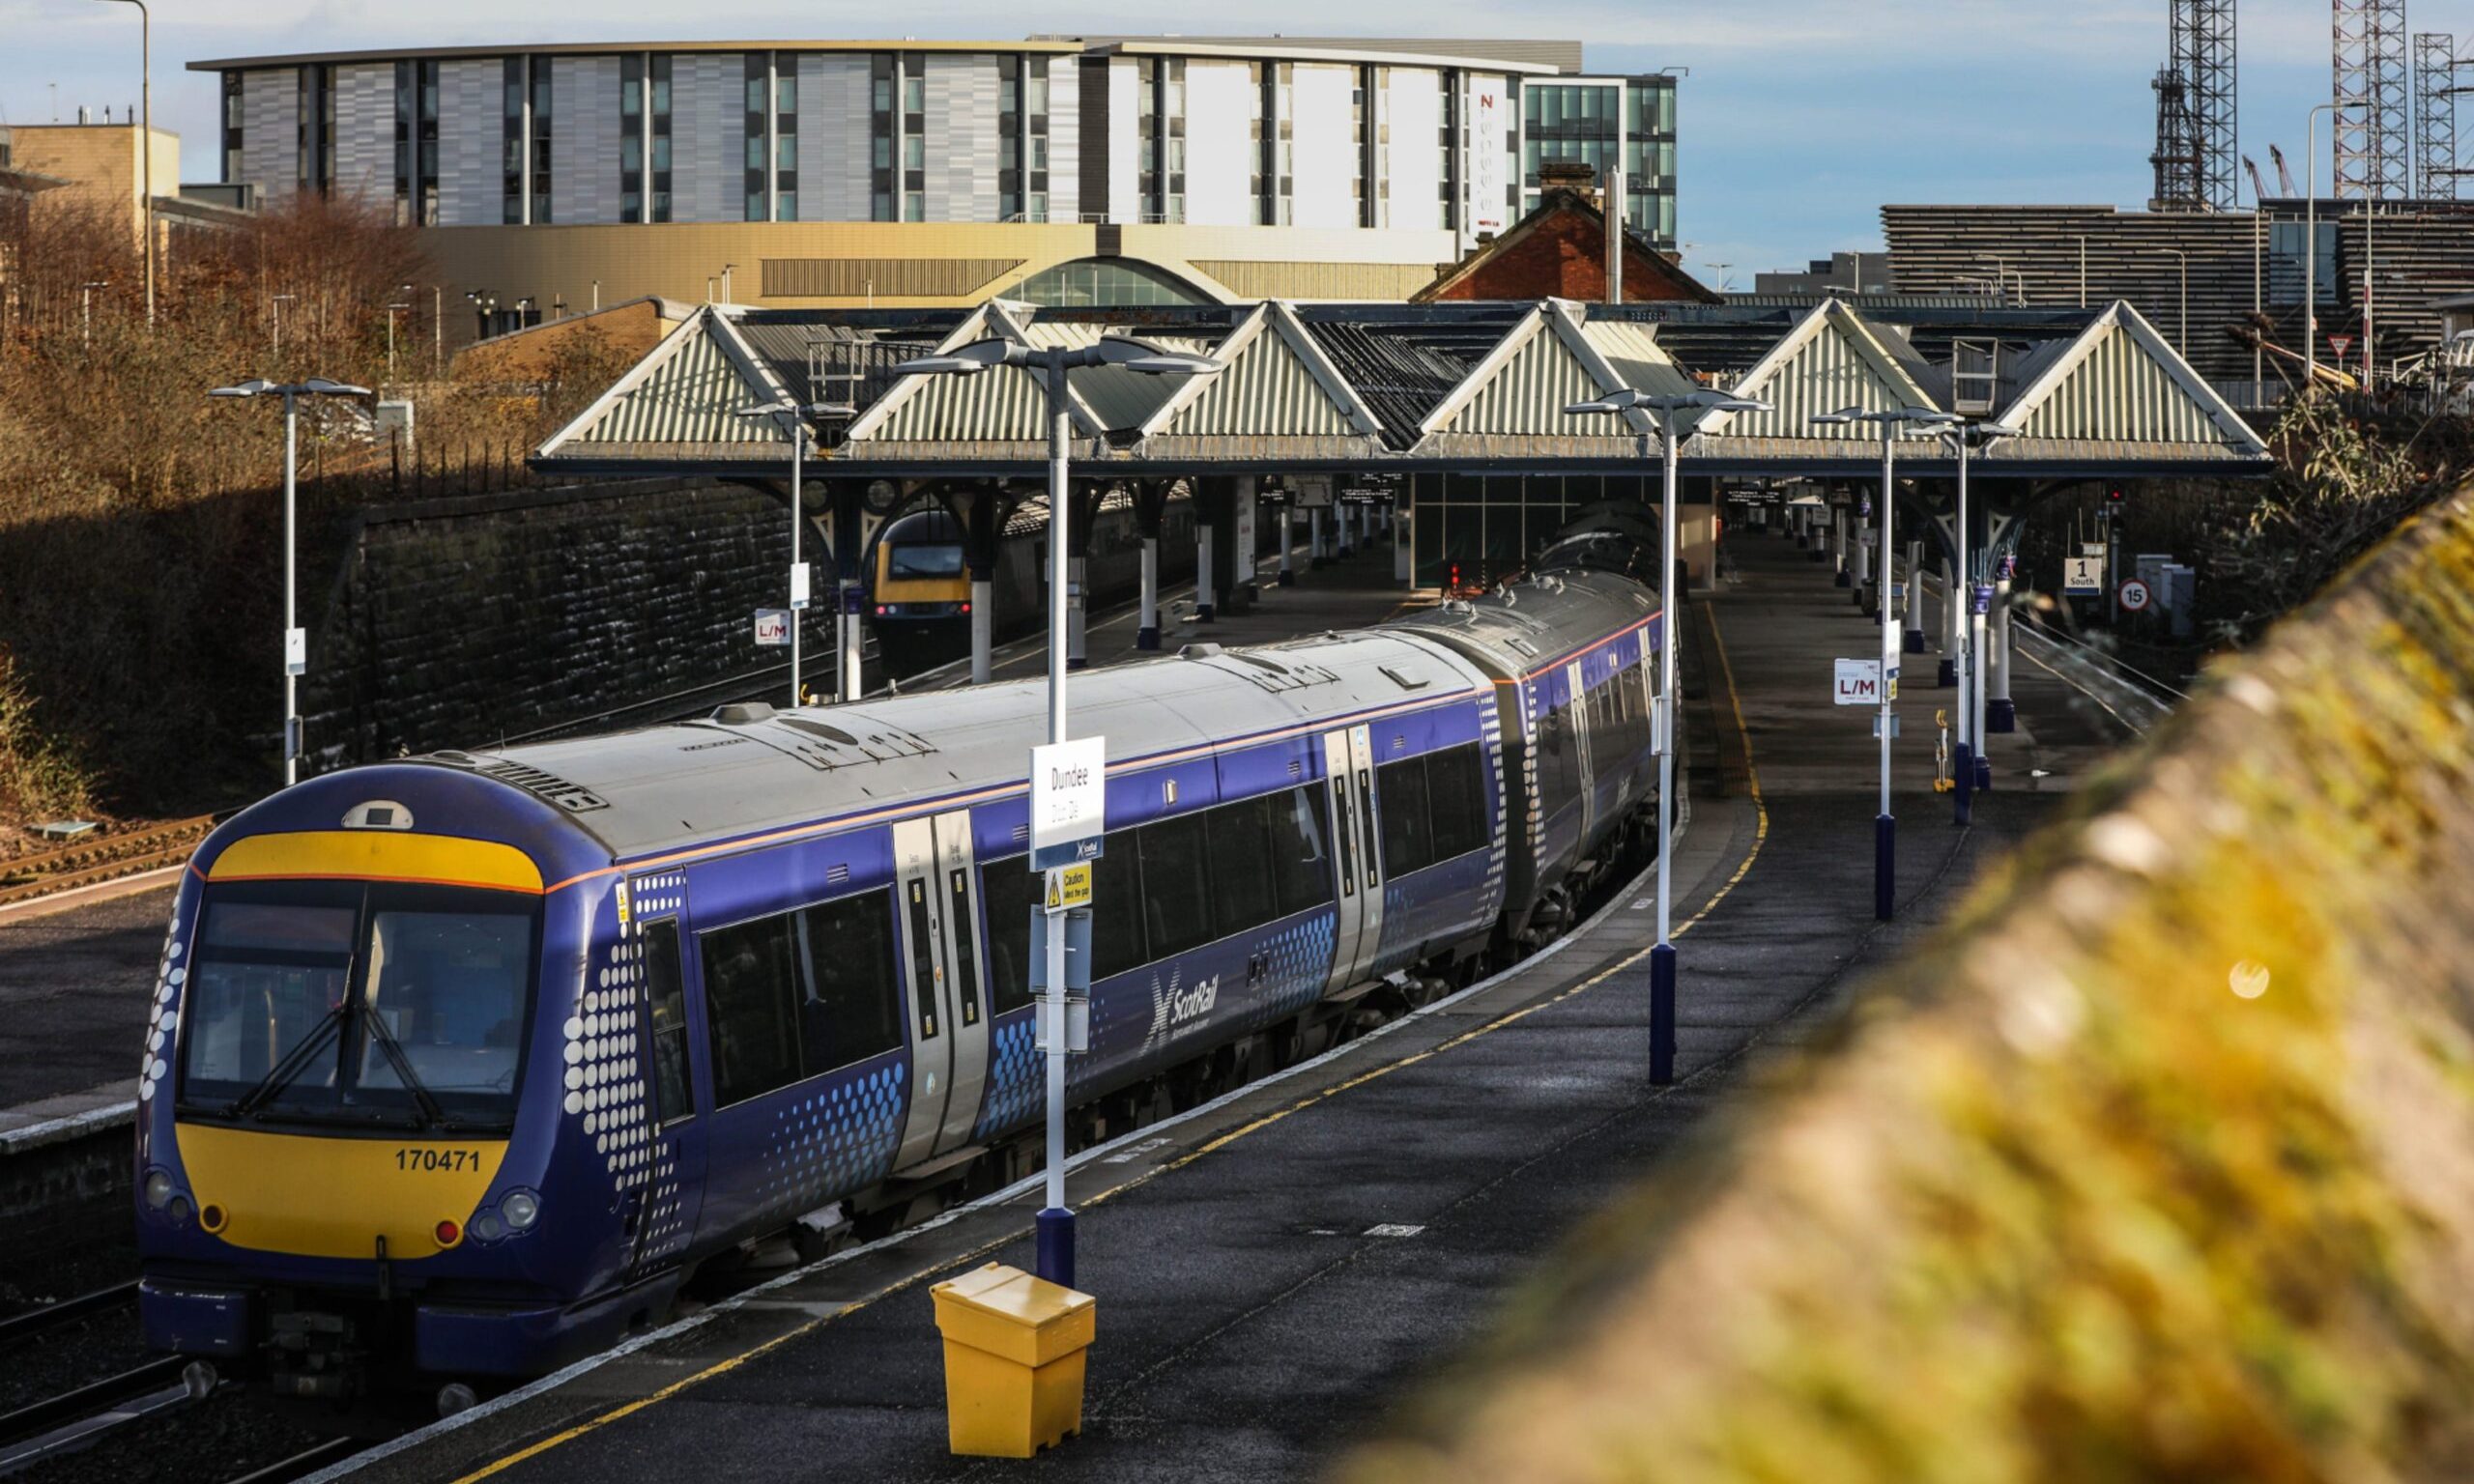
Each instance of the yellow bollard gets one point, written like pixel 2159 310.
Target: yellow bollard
pixel 1014 1347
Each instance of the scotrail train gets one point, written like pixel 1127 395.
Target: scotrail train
pixel 458 1067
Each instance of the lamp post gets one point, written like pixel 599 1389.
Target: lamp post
pixel 2311 249
pixel 146 141
pixel 1634 405
pixel 2182 329
pixel 794 419
pixel 392 310
pixel 296 642
pixel 1055 1220
pixel 1885 824
pixel 485 303
pixel 1965 437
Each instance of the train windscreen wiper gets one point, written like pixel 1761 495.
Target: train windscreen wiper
pixel 431 1112
pixel 282 1074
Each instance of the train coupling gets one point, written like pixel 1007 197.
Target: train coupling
pixel 315 1355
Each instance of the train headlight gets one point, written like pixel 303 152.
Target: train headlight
pixel 487 1227
pixel 521 1208
pixel 159 1189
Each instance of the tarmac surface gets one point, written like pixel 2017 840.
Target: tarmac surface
pixel 1275 1269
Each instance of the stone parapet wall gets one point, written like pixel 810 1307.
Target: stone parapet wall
pixel 2158 1162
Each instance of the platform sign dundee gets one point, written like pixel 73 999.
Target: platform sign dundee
pixel 1069 801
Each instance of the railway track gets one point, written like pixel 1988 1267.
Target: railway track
pixel 18 1328
pixel 94 862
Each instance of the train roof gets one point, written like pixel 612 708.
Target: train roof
pixel 749 770
pixel 1527 625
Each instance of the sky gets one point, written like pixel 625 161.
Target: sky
pixel 1798 120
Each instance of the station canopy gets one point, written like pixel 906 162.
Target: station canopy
pixel 1467 388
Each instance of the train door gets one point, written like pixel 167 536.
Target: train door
pixel 1348 757
pixel 944 979
pixel 660 1210
pixel 1578 738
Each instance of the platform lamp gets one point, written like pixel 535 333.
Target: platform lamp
pixel 1052 363
pixel 794 419
pixel 1965 437
pixel 295 642
pixel 1886 825
pixel 1626 402
pixel 146 141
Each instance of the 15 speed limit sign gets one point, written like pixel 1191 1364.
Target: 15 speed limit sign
pixel 2134 595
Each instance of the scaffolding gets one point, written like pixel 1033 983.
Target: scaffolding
pixel 2437 82
pixel 2202 39
pixel 2176 158
pixel 2370 87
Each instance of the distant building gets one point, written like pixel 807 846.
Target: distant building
pixel 2211 279
pixel 91 167
pixel 1058 170
pixel 1841 273
pixel 1559 250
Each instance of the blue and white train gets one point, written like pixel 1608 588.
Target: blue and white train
pixel 458 1067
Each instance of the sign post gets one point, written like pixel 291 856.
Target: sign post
pixel 2134 596
pixel 2083 577
pixel 1859 683
pixel 1069 811
pixel 772 627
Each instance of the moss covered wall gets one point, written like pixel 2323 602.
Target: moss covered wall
pixel 2156 1164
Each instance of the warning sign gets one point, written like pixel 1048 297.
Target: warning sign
pixel 1069 887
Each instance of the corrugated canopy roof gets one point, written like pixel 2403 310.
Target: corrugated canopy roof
pixel 1371 386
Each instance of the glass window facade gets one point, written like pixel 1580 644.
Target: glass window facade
pixel 1092 282
pixel 1606 124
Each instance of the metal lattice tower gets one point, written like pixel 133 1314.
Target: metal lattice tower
pixel 2436 85
pixel 2176 156
pixel 2202 35
pixel 2368 73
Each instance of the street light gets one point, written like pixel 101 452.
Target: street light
pixel 793 419
pixel 2311 249
pixel 296 642
pixel 392 310
pixel 1886 825
pixel 1624 402
pixel 2182 331
pixel 1969 627
pixel 1052 363
pixel 146 140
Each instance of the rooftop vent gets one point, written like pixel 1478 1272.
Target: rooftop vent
pixel 741 713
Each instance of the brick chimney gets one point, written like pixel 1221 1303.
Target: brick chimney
pixel 1571 175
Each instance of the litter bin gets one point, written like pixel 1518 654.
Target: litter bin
pixel 1014 1347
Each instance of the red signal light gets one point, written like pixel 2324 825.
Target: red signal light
pixel 448 1234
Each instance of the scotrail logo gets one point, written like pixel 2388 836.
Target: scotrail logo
pixel 1173 1007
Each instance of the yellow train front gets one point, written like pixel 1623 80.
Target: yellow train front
pixel 920 591
pixel 392 1125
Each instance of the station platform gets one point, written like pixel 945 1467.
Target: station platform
pixel 74 976
pixel 1274 1269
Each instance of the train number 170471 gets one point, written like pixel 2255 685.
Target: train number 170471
pixel 442 1160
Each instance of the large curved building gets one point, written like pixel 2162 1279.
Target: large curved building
pixel 1058 170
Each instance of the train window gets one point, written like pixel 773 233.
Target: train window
pixel 852 1008
pixel 1116 922
pixel 1176 885
pixel 1347 837
pixel 1009 889
pixel 966 943
pixel 1456 792
pixel 1240 864
pixel 924 561
pixel 751 1002
pixel 267 978
pixel 1301 863
pixel 1408 835
pixel 923 956
pixel 445 1000
pixel 666 1020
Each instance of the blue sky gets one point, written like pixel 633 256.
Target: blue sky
pixel 1801 117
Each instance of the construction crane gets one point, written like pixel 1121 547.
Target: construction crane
pixel 2285 177
pixel 2259 188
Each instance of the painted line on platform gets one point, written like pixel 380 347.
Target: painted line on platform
pixel 1089 1156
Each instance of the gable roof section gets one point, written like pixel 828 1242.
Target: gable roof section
pixel 1114 399
pixel 1829 361
pixel 1640 258
pixel 1277 393
pixel 682 401
pixel 2121 389
pixel 1514 398
pixel 1000 410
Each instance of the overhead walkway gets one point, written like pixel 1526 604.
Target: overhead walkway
pixel 1275 1268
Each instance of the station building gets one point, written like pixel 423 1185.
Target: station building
pixel 1060 170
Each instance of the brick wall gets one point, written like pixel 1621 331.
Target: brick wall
pixel 458 622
